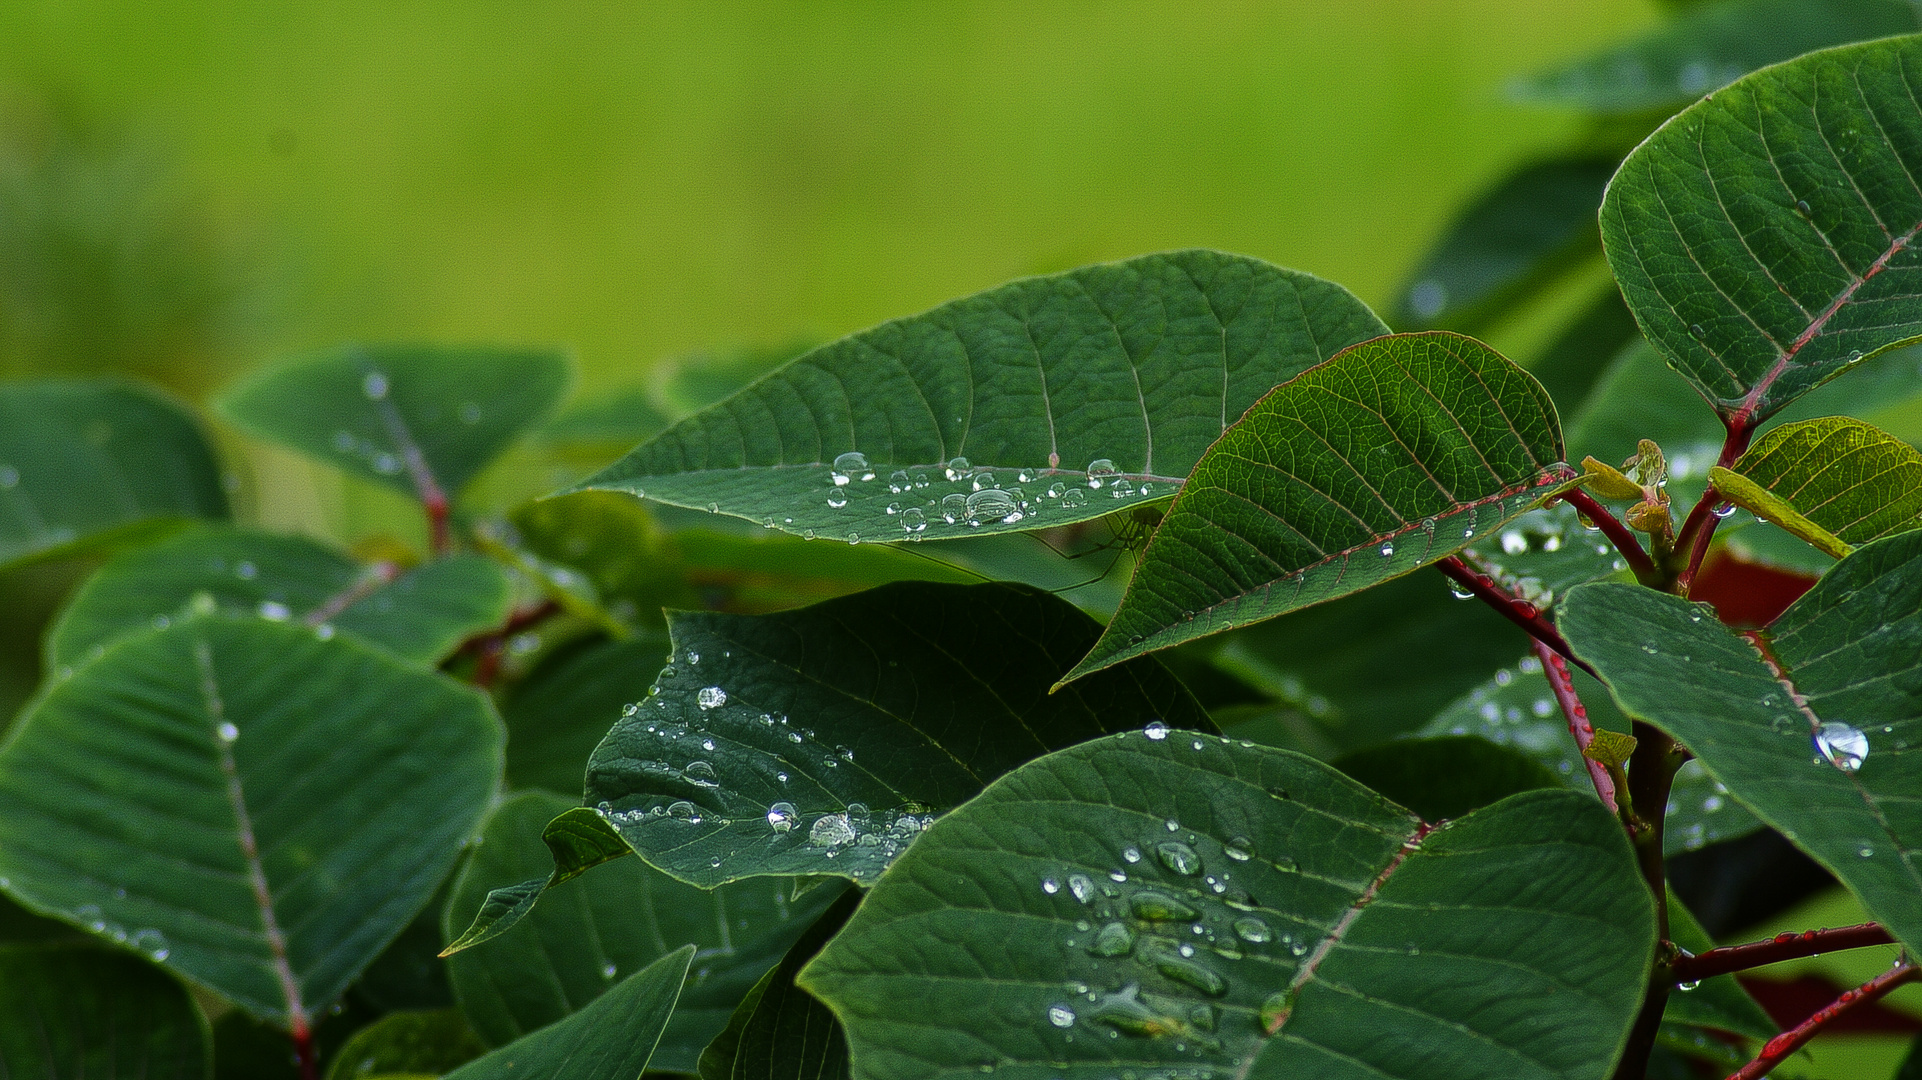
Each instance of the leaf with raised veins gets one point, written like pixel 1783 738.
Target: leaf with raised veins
pixel 1852 481
pixel 1763 236
pixel 1394 455
pixel 1042 402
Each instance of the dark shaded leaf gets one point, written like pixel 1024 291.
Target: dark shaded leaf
pixel 73 1011
pixel 1719 1003
pixel 1445 777
pixel 779 1031
pixel 561 712
pixel 611 1039
pixel 429 1043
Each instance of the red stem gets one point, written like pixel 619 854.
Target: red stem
pixel 489 647
pixel 1564 686
pixel 439 536
pixel 1618 534
pixel 1515 610
pixel 304 1052
pixel 1699 528
pixel 1688 969
pixel 1792 1040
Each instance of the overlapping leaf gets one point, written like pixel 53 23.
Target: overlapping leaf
pixel 821 741
pixel 82 458
pixel 420 615
pixel 1396 454
pixel 188 793
pixel 560 712
pixel 418 418
pixel 1849 480
pixel 1043 402
pixel 780 1031
pixel 1189 905
pixel 419 1043
pixel 1762 237
pixel 611 1039
pixel 1813 724
pixel 73 1011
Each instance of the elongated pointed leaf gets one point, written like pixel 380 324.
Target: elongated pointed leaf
pixel 1708 47
pixel 417 418
pixel 577 841
pixel 1826 751
pixel 1851 479
pixel 1762 236
pixel 79 459
pixel 780 1031
pixel 611 1039
pixel 821 741
pixel 419 615
pixel 1394 455
pixel 1073 396
pixel 241 800
pixel 79 1012
pixel 1191 904
pixel 586 934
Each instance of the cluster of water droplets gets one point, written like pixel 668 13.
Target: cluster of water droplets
pixel 146 940
pixel 961 495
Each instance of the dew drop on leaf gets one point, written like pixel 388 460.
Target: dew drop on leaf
pixel 780 816
pixel 710 697
pixel 1178 857
pixel 1842 745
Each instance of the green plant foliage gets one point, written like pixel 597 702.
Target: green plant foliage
pixel 780 1031
pixel 88 460
pixel 73 1011
pixel 560 712
pixel 611 1039
pixel 1394 455
pixel 1445 777
pixel 588 933
pixel 1822 750
pixel 419 615
pixel 185 793
pixel 1336 930
pixel 1072 396
pixel 821 741
pixel 1761 236
pixel 577 841
pixel 417 418
pixel 1852 481
pixel 423 1043
pixel 1719 1004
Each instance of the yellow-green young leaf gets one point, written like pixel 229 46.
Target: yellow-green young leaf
pixel 1848 477
pixel 1397 453
pixel 1770 507
pixel 75 1011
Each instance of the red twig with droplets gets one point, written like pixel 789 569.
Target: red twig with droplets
pixel 489 648
pixel 1689 969
pixel 1513 608
pixel 1563 684
pixel 1618 534
pixel 1780 1047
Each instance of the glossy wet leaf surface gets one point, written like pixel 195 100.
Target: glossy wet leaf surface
pixel 611 1039
pixel 83 458
pixel 822 741
pixel 75 1011
pixel 1135 903
pixel 184 795
pixel 1042 402
pixel 1850 478
pixel 1396 454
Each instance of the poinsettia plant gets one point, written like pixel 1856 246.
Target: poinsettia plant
pixel 1366 750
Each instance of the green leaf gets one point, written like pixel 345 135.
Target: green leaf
pixel 780 1031
pixel 821 741
pixel 73 1011
pixel 1049 924
pixel 424 1043
pixel 613 1038
pixel 587 933
pixel 1739 490
pixel 1719 1003
pixel 1849 478
pixel 1761 236
pixel 1786 746
pixel 243 800
pixel 577 841
pixel 1446 777
pixel 1707 47
pixel 1542 554
pixel 1507 243
pixel 83 459
pixel 1571 364
pixel 417 418
pixel 1394 455
pixel 420 615
pixel 1072 396
pixel 560 712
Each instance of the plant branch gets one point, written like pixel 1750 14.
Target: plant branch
pixel 1792 1040
pixel 1699 528
pixel 1689 969
pixel 1618 534
pixel 1563 684
pixel 1514 609
pixel 488 647
pixel 305 1054
pixel 1651 772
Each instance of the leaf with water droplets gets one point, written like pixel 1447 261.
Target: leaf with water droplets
pixel 1811 724
pixel 1346 930
pixel 1040 403
pixel 71 1009
pixel 1762 236
pixel 185 795
pixel 1835 482
pixel 1394 455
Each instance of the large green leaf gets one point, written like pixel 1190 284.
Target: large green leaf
pixel 83 458
pixel 821 741
pixel 612 1039
pixel 1762 236
pixel 780 1031
pixel 1446 776
pixel 421 615
pixel 428 1042
pixel 259 808
pixel 1707 47
pixel 1043 402
pixel 1823 752
pixel 1394 455
pixel 413 417
pixel 1191 906
pixel 561 712
pixel 586 933
pixel 1851 480
pixel 74 1011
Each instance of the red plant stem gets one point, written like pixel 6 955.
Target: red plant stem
pixel 1618 534
pixel 1699 528
pixel 439 536
pixel 1515 610
pixel 487 667
pixel 304 1052
pixel 1688 969
pixel 1792 1040
pixel 1564 686
pixel 489 647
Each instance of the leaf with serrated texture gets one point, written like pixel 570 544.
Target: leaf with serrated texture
pixel 1850 479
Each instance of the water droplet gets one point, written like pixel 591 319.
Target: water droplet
pixel 386 464
pixel 1074 499
pixel 1155 730
pixel 1696 329
pixel 954 508
pixel 831 830
pixel 610 970
pixel 983 479
pixel 1100 470
pixel 374 385
pixel 227 732
pixel 837 498
pixel 1192 972
pixel 1513 542
pixel 9 477
pixel 1867 852
pixel 1239 848
pixel 1121 489
pixel 1159 907
pixel 1117 875
pixel 685 811
pixel 852 464
pixel 1252 930
pixel 1178 857
pixel 701 772
pixel 1057 489
pixel 1131 854
pixel 1050 886
pixel 913 521
pixel 990 506
pixel 1802 208
pixel 1711 804
pixel 958 469
pixel 710 697
pixel 1081 887
pixel 898 482
pixel 1060 1016
pixel 1114 939
pixel 1842 745
pixel 1387 550
pixel 780 816
pixel 246 571
pixel 274 611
